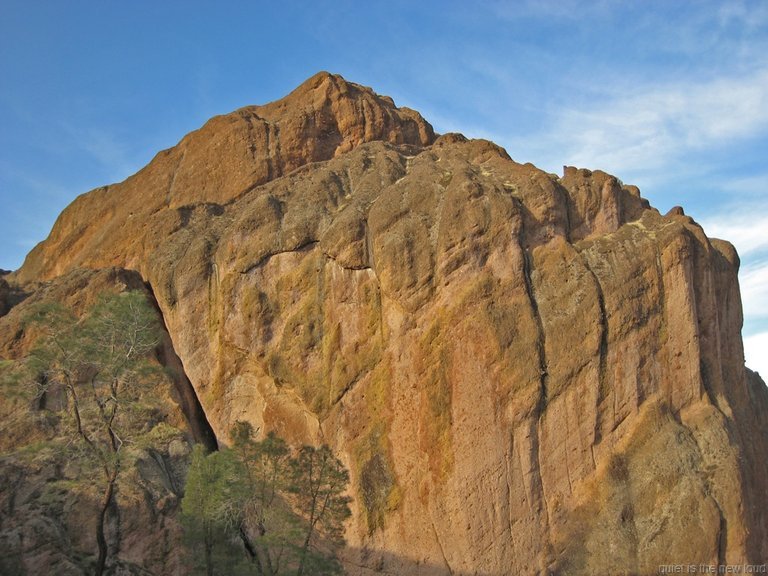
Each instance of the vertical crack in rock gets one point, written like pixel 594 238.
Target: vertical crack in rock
pixel 268 145
pixel 602 389
pixel 369 246
pixel 201 429
pixel 442 550
pixel 276 154
pixel 662 311
pixel 508 455
pixel 708 320
pixel 543 376
pixel 722 536
pixel 569 206
pixel 541 342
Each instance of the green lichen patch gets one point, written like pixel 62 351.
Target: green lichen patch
pixel 378 489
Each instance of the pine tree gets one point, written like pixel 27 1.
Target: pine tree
pixel 100 362
pixel 286 507
pixel 212 508
pixel 319 483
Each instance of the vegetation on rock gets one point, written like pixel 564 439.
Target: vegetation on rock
pixel 285 509
pixel 86 391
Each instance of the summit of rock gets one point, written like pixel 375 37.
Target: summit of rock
pixel 524 373
pixel 230 155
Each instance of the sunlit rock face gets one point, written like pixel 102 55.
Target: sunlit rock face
pixel 523 372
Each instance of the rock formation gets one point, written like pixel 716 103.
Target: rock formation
pixel 524 373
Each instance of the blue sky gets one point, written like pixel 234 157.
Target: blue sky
pixel 669 95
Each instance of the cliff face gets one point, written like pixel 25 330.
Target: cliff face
pixel 50 494
pixel 523 372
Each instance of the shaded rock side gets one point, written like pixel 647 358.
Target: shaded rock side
pixel 524 373
pixel 4 293
pixel 50 496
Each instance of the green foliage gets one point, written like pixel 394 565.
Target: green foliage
pixel 287 508
pixel 95 371
pixel 270 528
pixel 212 510
pixel 214 495
pixel 98 364
pixel 319 483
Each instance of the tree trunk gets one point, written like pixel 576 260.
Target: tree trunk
pixel 304 549
pixel 251 550
pixel 310 530
pixel 101 538
pixel 209 552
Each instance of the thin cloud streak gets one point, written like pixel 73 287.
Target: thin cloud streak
pixel 655 127
pixel 754 352
pixel 747 234
pixel 748 186
pixel 753 280
pixel 104 147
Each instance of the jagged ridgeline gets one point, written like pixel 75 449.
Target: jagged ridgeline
pixel 522 372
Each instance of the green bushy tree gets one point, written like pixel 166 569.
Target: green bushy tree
pixel 269 528
pixel 318 485
pixel 99 364
pixel 212 509
pixel 290 506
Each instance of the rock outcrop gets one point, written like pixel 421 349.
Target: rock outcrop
pixel 524 373
pixel 49 496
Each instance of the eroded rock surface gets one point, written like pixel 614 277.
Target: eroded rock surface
pixel 50 495
pixel 523 372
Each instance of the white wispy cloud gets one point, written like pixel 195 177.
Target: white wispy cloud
pixel 754 352
pixel 104 147
pixel 751 17
pixel 654 126
pixel 753 280
pixel 34 182
pixel 755 186
pixel 744 225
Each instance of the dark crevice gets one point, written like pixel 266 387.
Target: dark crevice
pixel 200 428
pixel 704 292
pixel 569 207
pixel 271 169
pixel 540 341
pixel 346 266
pixel 276 153
pixel 260 262
pixel 10 294
pixel 351 384
pixel 602 385
pixel 662 308
pixel 543 374
pixel 369 245
pixel 722 537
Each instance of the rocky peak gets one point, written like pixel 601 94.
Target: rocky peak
pixel 324 117
pixel 524 373
pixel 229 156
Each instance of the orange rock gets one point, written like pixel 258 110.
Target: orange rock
pixel 523 372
